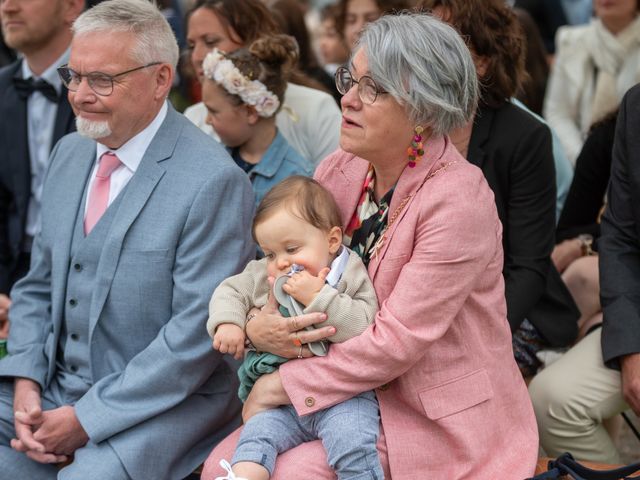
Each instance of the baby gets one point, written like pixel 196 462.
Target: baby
pixel 298 223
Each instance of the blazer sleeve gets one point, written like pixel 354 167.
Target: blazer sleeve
pixel 29 336
pixel 213 245
pixel 453 246
pixel 5 247
pixel 586 195
pixel 13 139
pixel 236 295
pixel 351 307
pixel 619 243
pixel 529 223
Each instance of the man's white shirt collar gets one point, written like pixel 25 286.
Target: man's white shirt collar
pixel 337 267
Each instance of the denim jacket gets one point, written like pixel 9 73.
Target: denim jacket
pixel 279 162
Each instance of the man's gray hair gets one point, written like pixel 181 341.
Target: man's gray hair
pixel 155 39
pixel 426 66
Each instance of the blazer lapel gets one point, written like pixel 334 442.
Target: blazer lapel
pixel 347 186
pixel 410 181
pixel 479 136
pixel 136 195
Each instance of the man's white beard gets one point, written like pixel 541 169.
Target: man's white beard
pixel 92 129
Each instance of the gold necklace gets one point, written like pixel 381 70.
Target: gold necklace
pixel 383 236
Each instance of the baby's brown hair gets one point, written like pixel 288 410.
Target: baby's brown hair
pixel 303 197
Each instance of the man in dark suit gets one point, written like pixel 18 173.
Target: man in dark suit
pixel 600 376
pixel 33 117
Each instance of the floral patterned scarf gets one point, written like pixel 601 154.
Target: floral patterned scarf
pixel 369 220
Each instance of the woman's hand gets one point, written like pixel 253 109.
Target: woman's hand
pixel 270 332
pixel 566 252
pixel 266 394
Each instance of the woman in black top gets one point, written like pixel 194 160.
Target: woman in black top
pixel 579 225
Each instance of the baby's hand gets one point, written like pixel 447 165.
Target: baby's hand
pixel 229 338
pixel 304 287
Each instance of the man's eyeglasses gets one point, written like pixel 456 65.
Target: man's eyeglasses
pixel 368 89
pixel 100 83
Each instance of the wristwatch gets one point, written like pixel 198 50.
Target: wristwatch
pixel 586 244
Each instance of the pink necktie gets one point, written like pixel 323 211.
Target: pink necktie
pixel 99 194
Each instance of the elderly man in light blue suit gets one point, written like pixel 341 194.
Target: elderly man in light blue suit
pixel 110 367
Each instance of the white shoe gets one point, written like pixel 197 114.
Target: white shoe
pixel 230 475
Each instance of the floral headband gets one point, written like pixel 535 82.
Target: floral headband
pixel 252 92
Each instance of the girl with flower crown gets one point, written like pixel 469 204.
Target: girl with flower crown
pixel 243 91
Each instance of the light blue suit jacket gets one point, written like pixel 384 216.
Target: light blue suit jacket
pixel 161 396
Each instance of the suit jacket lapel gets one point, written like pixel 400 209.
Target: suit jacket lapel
pixel 348 187
pixel 136 195
pixel 479 136
pixel 410 181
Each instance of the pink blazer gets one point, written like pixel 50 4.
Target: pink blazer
pixel 453 404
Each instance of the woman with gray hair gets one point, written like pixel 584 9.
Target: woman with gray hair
pixel 423 219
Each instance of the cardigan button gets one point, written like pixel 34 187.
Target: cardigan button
pixel 309 401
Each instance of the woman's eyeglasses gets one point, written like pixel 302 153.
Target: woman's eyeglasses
pixel 368 89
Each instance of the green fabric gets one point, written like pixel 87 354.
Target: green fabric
pixel 3 348
pixel 256 364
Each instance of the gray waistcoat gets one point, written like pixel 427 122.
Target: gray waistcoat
pixel 73 373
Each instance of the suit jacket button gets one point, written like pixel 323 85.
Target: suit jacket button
pixel 73 302
pixel 77 267
pixel 384 387
pixel 309 401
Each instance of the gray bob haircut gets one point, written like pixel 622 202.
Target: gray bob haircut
pixel 155 39
pixel 426 66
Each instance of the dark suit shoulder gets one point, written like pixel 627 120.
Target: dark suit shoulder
pixel 507 134
pixel 632 94
pixel 8 71
pixel 629 103
pixel 512 118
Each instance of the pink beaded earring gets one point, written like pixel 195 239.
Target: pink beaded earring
pixel 416 150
